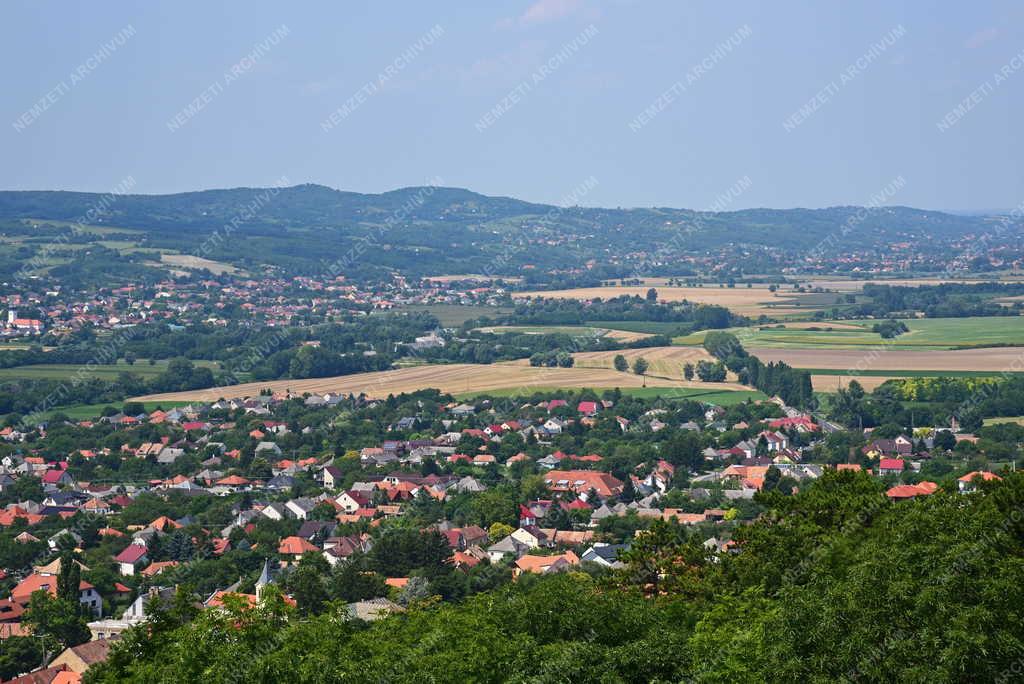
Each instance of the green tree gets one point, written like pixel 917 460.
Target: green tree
pixel 19 655
pixel 306 584
pixel 620 363
pixel 68 579
pixel 58 621
pixel 640 365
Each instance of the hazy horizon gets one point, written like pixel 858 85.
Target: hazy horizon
pixel 662 104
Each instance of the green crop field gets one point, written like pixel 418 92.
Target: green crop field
pixel 59 371
pixel 454 315
pixel 925 334
pixel 652 327
pixel 91 411
pixel 1017 420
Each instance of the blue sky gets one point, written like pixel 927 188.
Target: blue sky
pixel 528 99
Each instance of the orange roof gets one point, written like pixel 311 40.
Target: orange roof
pixel 539 564
pixel 911 491
pixel 36 582
pixel 218 596
pixel 8 517
pixel 233 481
pixel 683 518
pixel 583 481
pixel 295 546
pixel 398 582
pixel 162 523
pixel 983 474
pixel 157 567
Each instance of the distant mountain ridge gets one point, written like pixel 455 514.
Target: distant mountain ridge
pixel 430 230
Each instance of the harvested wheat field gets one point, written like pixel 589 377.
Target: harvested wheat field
pixel 626 336
pixel 830 383
pixel 749 301
pixel 453 378
pixel 663 361
pixel 994 360
pixel 194 262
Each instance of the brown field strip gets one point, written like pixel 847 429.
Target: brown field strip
pixel 830 383
pixel 453 378
pixel 994 359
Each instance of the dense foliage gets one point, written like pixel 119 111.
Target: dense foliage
pixel 835 583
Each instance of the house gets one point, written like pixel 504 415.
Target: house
pixel 606 555
pixel 891 466
pixel 129 559
pixel 543 565
pixel 905 492
pixel 373 609
pixel 588 408
pixel 331 476
pixel 352 500
pixel 155 568
pixel 553 426
pixel 291 549
pixel 274 511
pixel 581 482
pixel 80 658
pixel 532 537
pixel 504 547
pixel 268 448
pixel 44 581
pixel 234 483
pixel 462 410
pixel 776 440
pixel 556 403
pixel 300 508
pixel 969 482
pixel 58 477
pixel 802 424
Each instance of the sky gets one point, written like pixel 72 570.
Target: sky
pixel 617 103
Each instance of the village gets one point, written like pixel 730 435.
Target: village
pixel 251 490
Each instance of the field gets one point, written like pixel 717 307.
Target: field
pixel 831 368
pixel 443 279
pixel 665 362
pixel 851 285
pixel 452 378
pixel 110 372
pixel 719 398
pixel 991 361
pixel 193 262
pixel 925 334
pixel 573 330
pixel 752 301
pixel 1017 420
pixel 90 411
pixel 650 327
pixel 454 315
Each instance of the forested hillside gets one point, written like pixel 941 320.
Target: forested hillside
pixel 434 230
